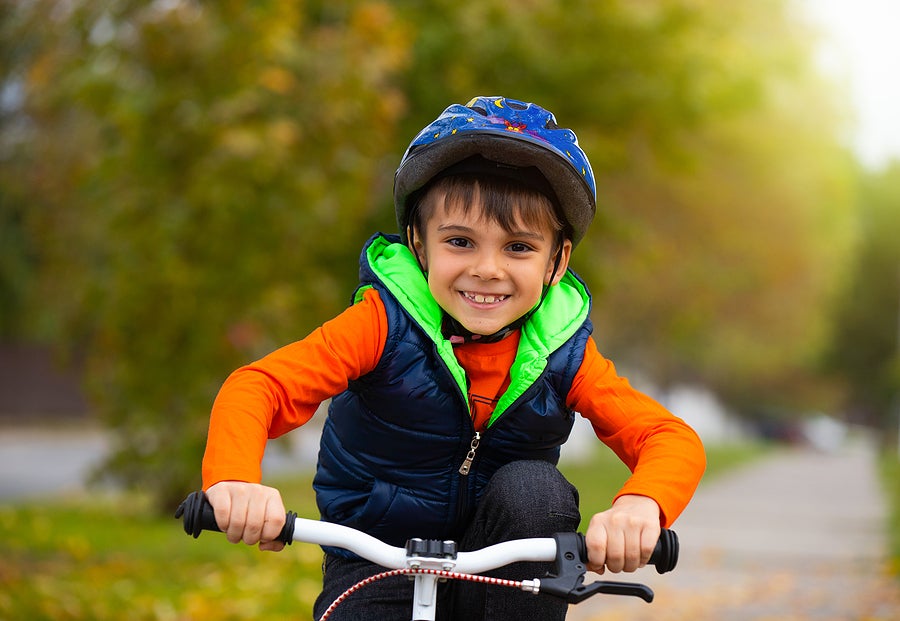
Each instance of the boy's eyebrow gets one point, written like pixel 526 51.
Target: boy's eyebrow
pixel 450 228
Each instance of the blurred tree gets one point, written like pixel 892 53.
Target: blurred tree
pixel 202 179
pixel 199 178
pixel 725 257
pixel 16 264
pixel 865 349
pixel 725 193
pixel 17 253
pixel 616 71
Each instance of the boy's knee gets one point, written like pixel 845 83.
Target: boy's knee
pixel 534 497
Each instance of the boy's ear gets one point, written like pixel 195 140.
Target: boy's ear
pixel 553 276
pixel 417 247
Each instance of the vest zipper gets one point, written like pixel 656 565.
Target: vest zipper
pixel 470 456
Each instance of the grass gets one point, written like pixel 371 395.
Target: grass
pixel 106 559
pixel 890 475
pixel 74 560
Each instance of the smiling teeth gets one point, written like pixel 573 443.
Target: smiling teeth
pixel 485 299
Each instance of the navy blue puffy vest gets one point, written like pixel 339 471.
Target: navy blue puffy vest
pixel 394 441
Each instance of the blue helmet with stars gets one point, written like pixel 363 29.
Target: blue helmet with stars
pixel 504 133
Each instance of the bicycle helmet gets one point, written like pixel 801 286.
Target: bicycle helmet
pixel 511 134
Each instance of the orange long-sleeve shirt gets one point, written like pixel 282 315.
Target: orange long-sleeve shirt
pixel 283 390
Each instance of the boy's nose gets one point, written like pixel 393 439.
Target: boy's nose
pixel 487 266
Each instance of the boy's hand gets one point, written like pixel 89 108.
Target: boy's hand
pixel 623 537
pixel 248 512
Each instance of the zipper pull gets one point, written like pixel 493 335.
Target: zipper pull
pixel 467 462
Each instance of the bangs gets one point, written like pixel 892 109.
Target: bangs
pixel 504 202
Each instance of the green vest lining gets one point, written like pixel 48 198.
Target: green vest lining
pixel 562 312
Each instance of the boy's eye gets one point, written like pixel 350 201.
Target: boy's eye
pixel 519 247
pixel 459 242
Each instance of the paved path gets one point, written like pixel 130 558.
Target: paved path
pixel 43 462
pixel 796 537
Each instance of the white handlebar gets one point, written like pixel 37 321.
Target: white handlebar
pixel 392 557
pixel 498 555
pixel 337 536
pixel 430 560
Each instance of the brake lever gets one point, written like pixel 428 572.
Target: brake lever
pixel 566 579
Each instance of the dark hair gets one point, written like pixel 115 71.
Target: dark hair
pixel 503 201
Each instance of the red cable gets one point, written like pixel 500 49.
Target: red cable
pixel 451 575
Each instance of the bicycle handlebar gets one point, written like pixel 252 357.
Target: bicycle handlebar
pixel 197 515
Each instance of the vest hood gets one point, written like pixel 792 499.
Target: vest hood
pixel 386 260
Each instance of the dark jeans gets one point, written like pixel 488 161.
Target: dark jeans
pixel 523 499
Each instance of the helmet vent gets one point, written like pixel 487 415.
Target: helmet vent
pixel 516 105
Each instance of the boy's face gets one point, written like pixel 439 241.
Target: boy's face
pixel 482 275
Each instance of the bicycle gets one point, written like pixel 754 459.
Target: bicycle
pixel 431 561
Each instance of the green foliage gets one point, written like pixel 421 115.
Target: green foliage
pixel 865 351
pixel 623 74
pixel 15 265
pixel 722 263
pixel 206 177
pixel 890 474
pixel 185 186
pixel 725 196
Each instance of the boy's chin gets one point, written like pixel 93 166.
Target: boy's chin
pixel 474 329
pixel 481 330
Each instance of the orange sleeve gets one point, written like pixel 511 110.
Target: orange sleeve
pixel 664 454
pixel 282 391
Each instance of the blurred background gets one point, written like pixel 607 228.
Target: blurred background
pixel 185 186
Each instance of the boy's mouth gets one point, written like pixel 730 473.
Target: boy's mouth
pixel 481 298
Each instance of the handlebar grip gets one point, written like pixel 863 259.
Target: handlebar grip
pixel 198 515
pixel 665 555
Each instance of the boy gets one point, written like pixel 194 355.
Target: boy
pixel 455 378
